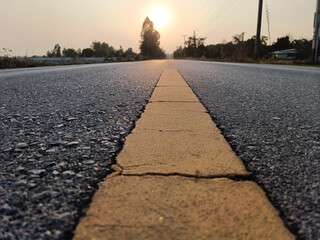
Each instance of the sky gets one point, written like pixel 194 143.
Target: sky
pixel 31 27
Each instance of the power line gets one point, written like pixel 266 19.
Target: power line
pixel 221 11
pixel 217 17
pixel 235 6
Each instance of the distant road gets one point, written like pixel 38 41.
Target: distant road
pixel 60 128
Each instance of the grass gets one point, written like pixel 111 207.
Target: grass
pixel 7 62
pixel 305 63
pixel 13 62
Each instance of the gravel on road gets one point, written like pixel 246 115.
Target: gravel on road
pixel 270 115
pixel 60 129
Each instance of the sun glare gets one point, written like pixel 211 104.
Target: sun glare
pixel 159 17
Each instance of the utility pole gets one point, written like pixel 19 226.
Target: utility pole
pixel 194 43
pixel 315 42
pixel 184 45
pixel 257 47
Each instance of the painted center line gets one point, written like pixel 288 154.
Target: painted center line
pixel 172 179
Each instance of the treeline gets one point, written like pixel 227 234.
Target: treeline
pixel 97 49
pixel 240 50
pixel 149 47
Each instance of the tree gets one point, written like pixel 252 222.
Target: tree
pixel 6 52
pixel 129 53
pixel 238 38
pixel 150 41
pixel 304 47
pixel 282 44
pixel 87 52
pixel 119 53
pixel 195 46
pixel 102 49
pixel 179 53
pixel 56 52
pixel 70 52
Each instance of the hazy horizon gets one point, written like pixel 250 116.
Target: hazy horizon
pixel 33 27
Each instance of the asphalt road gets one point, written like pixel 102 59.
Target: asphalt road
pixel 61 127
pixel 271 117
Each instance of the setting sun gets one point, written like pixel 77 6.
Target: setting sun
pixel 159 17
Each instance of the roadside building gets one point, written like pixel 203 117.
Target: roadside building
pixel 289 54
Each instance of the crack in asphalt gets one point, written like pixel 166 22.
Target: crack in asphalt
pixel 120 171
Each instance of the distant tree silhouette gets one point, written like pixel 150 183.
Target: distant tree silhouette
pixel 87 52
pixel 195 46
pixel 304 47
pixel 70 52
pixel 150 41
pixel 238 38
pixel 237 50
pixel 56 52
pixel 282 44
pixel 119 53
pixel 102 49
pixel 178 53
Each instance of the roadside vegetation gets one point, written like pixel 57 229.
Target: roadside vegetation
pixel 97 49
pixel 97 52
pixel 237 50
pixel 241 50
pixel 102 51
pixel 150 41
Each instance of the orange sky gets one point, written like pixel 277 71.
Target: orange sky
pixel 31 27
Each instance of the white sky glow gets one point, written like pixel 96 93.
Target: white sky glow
pixel 31 27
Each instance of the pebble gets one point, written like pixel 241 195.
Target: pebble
pixel 88 162
pixel 21 145
pixel 71 119
pixel 21 170
pixel 52 150
pixel 31 185
pixel 41 196
pixel 49 164
pixel 84 148
pixel 7 210
pixel 39 172
pixel 71 144
pixel 68 174
pixel 20 183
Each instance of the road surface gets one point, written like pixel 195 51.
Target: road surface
pixel 61 127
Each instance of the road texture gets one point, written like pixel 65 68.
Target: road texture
pixel 270 115
pixel 178 178
pixel 61 127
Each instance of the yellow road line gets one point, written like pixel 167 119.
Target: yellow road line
pixel 172 180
